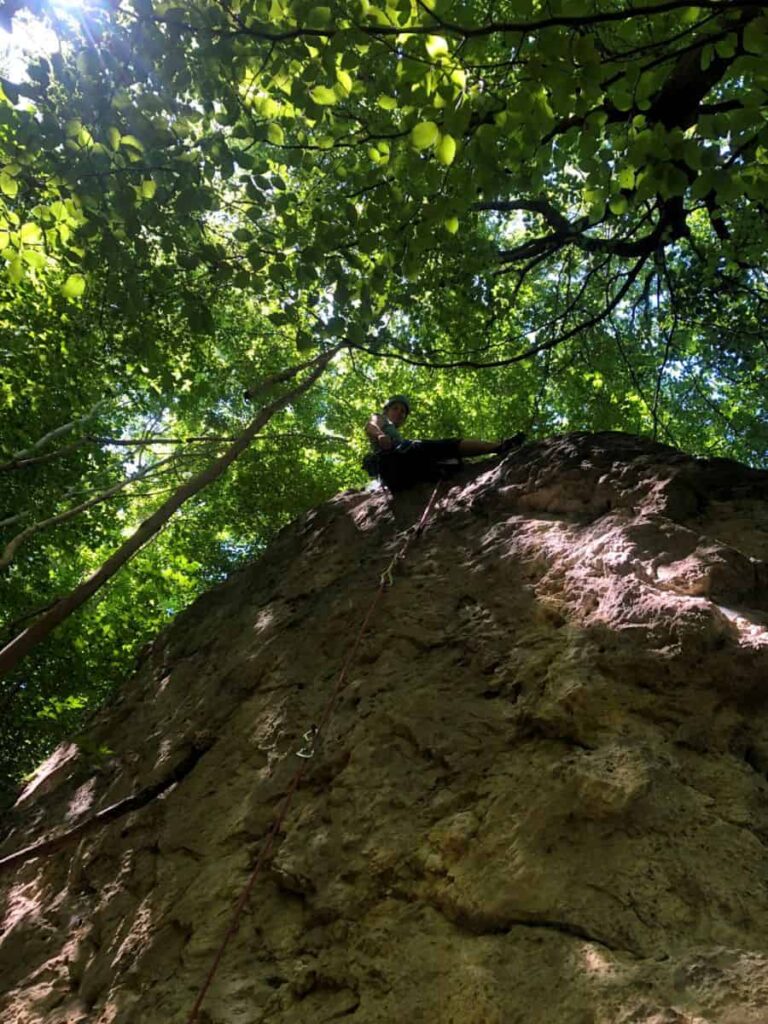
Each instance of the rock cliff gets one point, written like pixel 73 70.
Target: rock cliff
pixel 541 797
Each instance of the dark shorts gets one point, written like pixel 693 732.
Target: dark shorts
pixel 417 462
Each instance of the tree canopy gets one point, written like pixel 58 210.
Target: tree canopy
pixel 528 214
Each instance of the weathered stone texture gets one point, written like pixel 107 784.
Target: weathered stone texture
pixel 541 797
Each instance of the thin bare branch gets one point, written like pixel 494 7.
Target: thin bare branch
pixel 25 453
pixel 15 543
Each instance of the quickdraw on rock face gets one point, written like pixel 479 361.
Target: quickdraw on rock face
pixel 311 739
pixel 308 750
pixel 386 579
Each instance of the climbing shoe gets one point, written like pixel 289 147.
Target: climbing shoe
pixel 511 442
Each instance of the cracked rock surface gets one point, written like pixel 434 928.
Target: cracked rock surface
pixel 541 797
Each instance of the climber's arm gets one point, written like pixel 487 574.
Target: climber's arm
pixel 374 431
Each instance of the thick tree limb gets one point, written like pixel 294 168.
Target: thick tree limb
pixel 534 350
pixel 263 386
pixel 551 215
pixel 566 233
pixel 22 644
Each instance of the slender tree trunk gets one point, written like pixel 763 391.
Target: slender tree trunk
pixel 22 644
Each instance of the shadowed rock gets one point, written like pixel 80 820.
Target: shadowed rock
pixel 541 797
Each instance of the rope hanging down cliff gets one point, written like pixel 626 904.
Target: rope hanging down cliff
pixel 312 738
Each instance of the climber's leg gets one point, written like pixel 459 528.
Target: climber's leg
pixel 416 462
pixel 471 446
pixel 399 470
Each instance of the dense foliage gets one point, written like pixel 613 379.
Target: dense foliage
pixel 529 214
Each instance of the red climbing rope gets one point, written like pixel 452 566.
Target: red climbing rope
pixel 311 738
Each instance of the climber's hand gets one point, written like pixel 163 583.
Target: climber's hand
pixel 385 443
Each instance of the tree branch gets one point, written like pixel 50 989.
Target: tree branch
pixel 15 543
pixel 25 453
pixel 267 34
pixel 20 646
pixel 522 356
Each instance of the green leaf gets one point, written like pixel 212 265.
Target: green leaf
pixel 626 177
pixel 132 142
pixel 319 17
pixel 8 185
pixel 73 287
pixel 30 234
pixel 451 225
pixel 424 134
pixel 34 258
pixel 622 99
pixel 436 46
pixel 446 150
pixel 16 270
pixel 387 102
pixel 594 199
pixel 755 37
pixel 726 47
pixel 275 135
pixel 323 96
pixel 345 81
pixel 148 188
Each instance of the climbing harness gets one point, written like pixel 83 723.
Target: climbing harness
pixel 311 739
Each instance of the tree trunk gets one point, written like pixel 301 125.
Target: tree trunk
pixel 22 644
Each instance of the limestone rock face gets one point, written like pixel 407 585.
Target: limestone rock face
pixel 540 798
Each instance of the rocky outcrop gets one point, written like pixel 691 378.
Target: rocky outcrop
pixel 541 797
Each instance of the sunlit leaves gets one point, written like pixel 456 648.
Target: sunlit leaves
pixel 344 81
pixel 9 186
pixel 73 287
pixel 446 149
pixel 324 96
pixel 424 134
pixel 16 270
pixel 626 177
pixel 436 46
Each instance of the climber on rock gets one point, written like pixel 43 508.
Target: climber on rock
pixel 402 463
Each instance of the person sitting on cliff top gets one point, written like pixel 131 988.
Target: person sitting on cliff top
pixel 402 463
